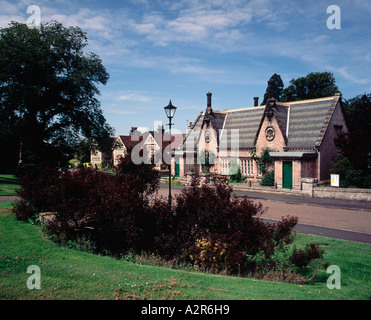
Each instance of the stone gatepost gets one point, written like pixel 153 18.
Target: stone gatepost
pixel 205 178
pixel 190 177
pixel 308 185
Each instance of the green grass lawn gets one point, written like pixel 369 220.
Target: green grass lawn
pixel 5 204
pixel 8 185
pixel 71 274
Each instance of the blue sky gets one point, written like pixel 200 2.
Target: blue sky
pixel 155 50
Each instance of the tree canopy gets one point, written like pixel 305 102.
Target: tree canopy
pixel 312 86
pixel 356 145
pixel 274 88
pixel 48 91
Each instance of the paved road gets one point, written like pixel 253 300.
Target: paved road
pixel 347 220
pixel 296 199
pixel 8 198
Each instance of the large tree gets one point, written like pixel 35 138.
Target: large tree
pixel 314 85
pixel 355 145
pixel 274 88
pixel 48 91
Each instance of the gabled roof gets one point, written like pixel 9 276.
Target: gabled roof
pixel 193 134
pixel 217 119
pixel 162 140
pixel 128 141
pixel 308 121
pixel 303 124
pixel 282 117
pixel 176 140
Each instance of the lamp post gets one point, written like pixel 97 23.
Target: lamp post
pixel 170 111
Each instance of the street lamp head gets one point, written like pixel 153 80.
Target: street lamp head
pixel 170 110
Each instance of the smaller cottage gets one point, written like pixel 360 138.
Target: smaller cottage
pixel 149 147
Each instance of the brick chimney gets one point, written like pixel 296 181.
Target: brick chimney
pixel 256 101
pixel 209 99
pixel 209 109
pixel 160 129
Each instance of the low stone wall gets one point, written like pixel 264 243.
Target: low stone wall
pixel 309 188
pixel 342 193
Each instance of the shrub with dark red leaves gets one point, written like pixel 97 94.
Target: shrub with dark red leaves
pixel 303 257
pixel 37 194
pixel 144 177
pixel 110 210
pixel 208 226
pixel 205 214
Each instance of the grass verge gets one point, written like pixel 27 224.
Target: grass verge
pixel 8 185
pixel 69 274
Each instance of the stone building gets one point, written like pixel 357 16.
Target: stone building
pixel 148 146
pixel 300 136
pixel 121 147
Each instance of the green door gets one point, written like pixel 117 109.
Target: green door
pixel 287 174
pixel 177 169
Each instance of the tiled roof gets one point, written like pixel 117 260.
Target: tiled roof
pixel 176 140
pixel 247 121
pixel 193 134
pixel 217 121
pixel 282 117
pixel 302 123
pixel 129 142
pixel 307 122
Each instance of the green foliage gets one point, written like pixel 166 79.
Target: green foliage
pixel 274 89
pixel 268 179
pixel 207 159
pixel 175 182
pixel 48 92
pixel 237 177
pixel 314 85
pixel 357 112
pixel 264 161
pixel 234 173
pixel 82 151
pixel 349 176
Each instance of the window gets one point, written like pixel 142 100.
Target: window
pixel 250 167
pixel 246 167
pixel 243 167
pixel 224 166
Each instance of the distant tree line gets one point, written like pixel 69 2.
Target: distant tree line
pixel 312 86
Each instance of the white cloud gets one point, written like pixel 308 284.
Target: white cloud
pixel 193 21
pixel 258 28
pixel 133 96
pixel 349 75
